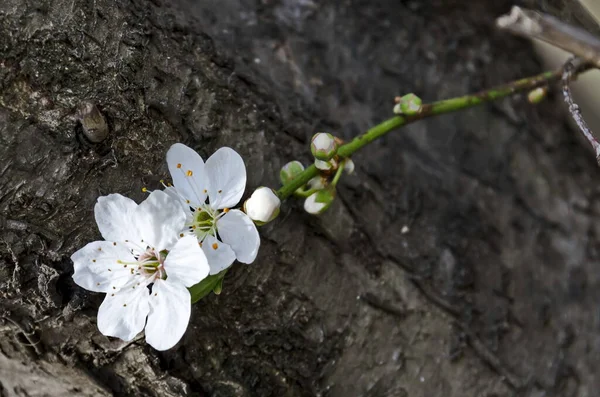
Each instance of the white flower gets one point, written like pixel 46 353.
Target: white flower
pixel 263 205
pixel 141 279
pixel 225 234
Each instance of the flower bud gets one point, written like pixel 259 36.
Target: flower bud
pixel 536 96
pixel 326 165
pixel 262 206
pixel 290 171
pixel 323 146
pixel 349 166
pixel 318 182
pixel 409 104
pixel 318 202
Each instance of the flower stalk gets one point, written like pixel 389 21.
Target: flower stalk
pixel 429 110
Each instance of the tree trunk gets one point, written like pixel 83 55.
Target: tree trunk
pixel 491 289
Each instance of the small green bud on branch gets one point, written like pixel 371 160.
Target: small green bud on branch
pixel 323 146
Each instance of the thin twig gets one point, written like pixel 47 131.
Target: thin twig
pixel 430 110
pixel 567 75
pixel 537 25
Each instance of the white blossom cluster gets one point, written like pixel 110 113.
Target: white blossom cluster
pixel 154 251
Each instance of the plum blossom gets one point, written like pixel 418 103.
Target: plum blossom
pixel 224 234
pixel 143 266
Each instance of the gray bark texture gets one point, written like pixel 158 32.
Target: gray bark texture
pixel 492 291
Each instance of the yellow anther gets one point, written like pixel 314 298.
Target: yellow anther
pixel 162 181
pixel 178 165
pixel 215 246
pixel 225 210
pixel 187 201
pixel 205 191
pixel 189 173
pixel 144 190
pixel 180 234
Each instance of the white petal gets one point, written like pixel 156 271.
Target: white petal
pixel 113 216
pixel 160 220
pixel 187 170
pixel 170 308
pixel 123 313
pixel 97 269
pixel 220 256
pixel 174 194
pixel 227 174
pixel 237 229
pixel 186 262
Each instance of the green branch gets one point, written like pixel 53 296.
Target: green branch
pixel 428 110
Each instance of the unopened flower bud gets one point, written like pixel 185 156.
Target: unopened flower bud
pixel 263 205
pixel 318 202
pixel 326 165
pixel 323 146
pixel 318 182
pixel 537 95
pixel 290 171
pixel 349 166
pixel 409 104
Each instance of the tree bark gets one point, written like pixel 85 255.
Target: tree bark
pixel 490 290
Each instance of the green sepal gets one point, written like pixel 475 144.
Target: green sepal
pixel 204 287
pixel 219 287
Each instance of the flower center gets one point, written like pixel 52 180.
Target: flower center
pixel 150 264
pixel 204 221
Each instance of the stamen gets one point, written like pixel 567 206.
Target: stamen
pixel 114 244
pixel 144 190
pixel 93 260
pixel 225 210
pixel 205 191
pixel 178 165
pixel 189 173
pixel 215 246
pixel 187 201
pixel 124 304
pixel 220 191
pixel 180 234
